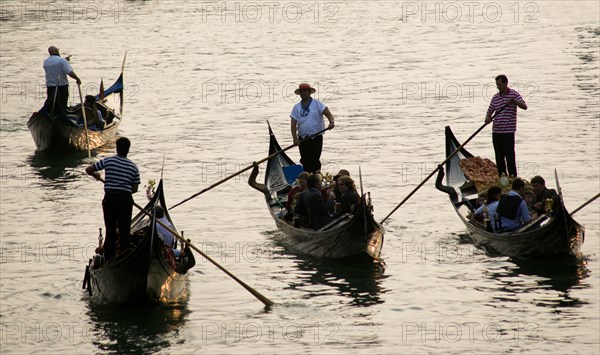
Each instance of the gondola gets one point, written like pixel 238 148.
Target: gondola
pixel 551 235
pixel 65 132
pixel 143 275
pixel 348 236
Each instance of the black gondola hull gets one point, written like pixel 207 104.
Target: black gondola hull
pixel 51 134
pixel 141 276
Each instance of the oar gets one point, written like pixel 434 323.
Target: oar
pixel 363 201
pixel 585 204
pixel 55 95
pixel 246 168
pixel 87 137
pixel 267 302
pixel 441 164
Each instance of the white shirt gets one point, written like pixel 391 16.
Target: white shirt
pixel 311 123
pixel 57 68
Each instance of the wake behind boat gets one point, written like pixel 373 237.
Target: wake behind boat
pixel 347 236
pixel 66 132
pixel 547 235
pixel 146 274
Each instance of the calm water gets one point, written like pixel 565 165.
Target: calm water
pixel 202 78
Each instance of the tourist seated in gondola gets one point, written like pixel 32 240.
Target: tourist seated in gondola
pixel 542 193
pixel 185 258
pixel 163 233
pixel 292 196
pixel 333 188
pixel 312 205
pixel 512 212
pixel 348 199
pixel 92 113
pixel 529 197
pixel 487 211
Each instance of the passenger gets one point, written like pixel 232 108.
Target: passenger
pixel 348 197
pixel 302 186
pixel 487 211
pixel 333 191
pixel 187 259
pixel 482 198
pixel 163 233
pixel 542 194
pixel 92 114
pixel 512 210
pixel 311 204
pixel 529 197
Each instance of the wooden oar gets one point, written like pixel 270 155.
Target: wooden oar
pixel 267 302
pixel 585 204
pixel 441 164
pixel 87 137
pixel 246 168
pixel 363 201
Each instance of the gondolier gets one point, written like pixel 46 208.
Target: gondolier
pixel 122 178
pixel 505 104
pixel 57 84
pixel 307 119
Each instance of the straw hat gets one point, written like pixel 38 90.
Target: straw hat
pixel 304 86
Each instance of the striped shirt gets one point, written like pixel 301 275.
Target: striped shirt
pixel 120 174
pixel 506 120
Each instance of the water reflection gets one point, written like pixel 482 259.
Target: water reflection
pixel 61 166
pixel 358 279
pixel 137 330
pixel 559 275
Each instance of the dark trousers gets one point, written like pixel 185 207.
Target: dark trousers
pixel 504 147
pixel 54 106
pixel 310 154
pixel 117 209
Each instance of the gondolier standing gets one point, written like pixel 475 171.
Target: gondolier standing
pixel 122 178
pixel 505 125
pixel 307 119
pixel 57 84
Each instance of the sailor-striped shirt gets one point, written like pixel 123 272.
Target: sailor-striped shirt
pixel 120 174
pixel 506 120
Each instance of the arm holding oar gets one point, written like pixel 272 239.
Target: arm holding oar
pixel 245 169
pixel 441 164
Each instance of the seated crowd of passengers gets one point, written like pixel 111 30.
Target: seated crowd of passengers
pixel 313 206
pixel 523 203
